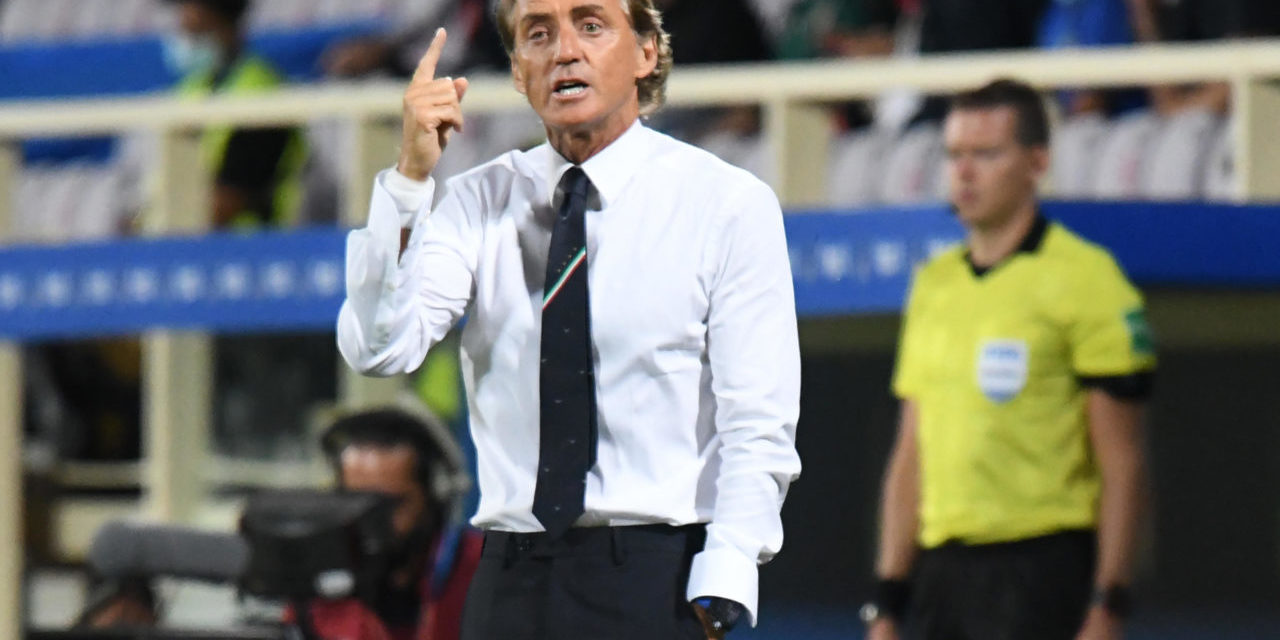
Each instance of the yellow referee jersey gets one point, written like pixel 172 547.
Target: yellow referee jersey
pixel 995 362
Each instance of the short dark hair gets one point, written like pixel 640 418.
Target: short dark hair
pixel 386 429
pixel 1033 120
pixel 232 10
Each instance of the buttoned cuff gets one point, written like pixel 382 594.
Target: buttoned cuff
pixel 374 251
pixel 410 196
pixel 726 573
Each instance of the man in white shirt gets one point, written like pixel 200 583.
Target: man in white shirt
pixel 634 443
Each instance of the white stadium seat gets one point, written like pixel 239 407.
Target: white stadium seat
pixel 1174 167
pixel 856 166
pixel 23 20
pixel 1076 143
pixel 913 167
pixel 1119 160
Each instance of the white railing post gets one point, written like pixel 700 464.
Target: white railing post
pixel 376 142
pixel 11 511
pixel 799 136
pixel 1256 137
pixel 177 366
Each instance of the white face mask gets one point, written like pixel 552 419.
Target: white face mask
pixel 187 54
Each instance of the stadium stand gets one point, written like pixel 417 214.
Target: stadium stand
pixel 69 190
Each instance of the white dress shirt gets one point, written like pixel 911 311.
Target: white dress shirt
pixel 693 330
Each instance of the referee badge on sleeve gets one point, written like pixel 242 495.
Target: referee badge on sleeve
pixel 1002 368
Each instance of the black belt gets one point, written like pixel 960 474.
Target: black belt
pixel 588 541
pixel 1081 537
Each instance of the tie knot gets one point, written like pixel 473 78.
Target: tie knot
pixel 574 183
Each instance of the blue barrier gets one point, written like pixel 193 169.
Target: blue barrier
pixel 221 283
pixel 112 67
pixel 132 66
pixel 844 263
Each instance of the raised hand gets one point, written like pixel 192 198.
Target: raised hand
pixel 432 112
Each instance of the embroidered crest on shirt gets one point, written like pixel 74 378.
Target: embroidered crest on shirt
pixel 1002 368
pixel 1139 332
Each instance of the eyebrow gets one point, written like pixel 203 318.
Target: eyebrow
pixel 577 12
pixel 585 10
pixel 534 18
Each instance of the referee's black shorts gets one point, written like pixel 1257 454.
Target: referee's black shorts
pixel 1034 589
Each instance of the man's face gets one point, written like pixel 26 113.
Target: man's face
pixel 578 61
pixel 123 611
pixel 991 175
pixel 390 471
pixel 197 19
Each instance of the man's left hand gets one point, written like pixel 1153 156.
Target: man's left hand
pixel 717 615
pixel 1100 625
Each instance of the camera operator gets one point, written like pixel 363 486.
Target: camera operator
pixel 414 460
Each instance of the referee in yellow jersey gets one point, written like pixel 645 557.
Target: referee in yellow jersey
pixel 1012 496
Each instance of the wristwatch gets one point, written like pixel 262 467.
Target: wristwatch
pixel 870 613
pixel 1116 599
pixel 890 601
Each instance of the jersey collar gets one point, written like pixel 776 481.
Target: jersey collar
pixel 1030 244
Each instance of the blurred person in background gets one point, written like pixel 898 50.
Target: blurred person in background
pixel 1094 23
pixel 959 26
pixel 121 604
pixel 264 382
pixel 1012 496
pixel 642 506
pixel 979 25
pixel 413 459
pixel 1202 20
pixel 854 29
pixel 712 32
pixel 473 45
pixel 257 171
pixel 839 28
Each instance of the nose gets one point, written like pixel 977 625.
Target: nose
pixel 570 46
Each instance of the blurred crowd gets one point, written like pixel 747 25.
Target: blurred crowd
pixel 1159 142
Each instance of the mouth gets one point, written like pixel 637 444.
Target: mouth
pixel 569 88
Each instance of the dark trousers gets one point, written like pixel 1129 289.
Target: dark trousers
pixel 1034 589
pixel 606 583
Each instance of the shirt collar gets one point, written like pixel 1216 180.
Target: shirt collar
pixel 1030 244
pixel 1035 237
pixel 609 170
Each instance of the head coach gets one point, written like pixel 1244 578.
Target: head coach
pixel 630 351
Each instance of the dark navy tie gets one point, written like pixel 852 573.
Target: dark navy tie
pixel 567 389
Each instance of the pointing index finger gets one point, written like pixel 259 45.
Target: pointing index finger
pixel 426 70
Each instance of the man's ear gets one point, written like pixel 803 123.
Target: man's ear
pixel 647 57
pixel 518 79
pixel 1040 162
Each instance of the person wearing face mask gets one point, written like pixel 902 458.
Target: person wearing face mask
pixel 257 171
pixel 413 459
